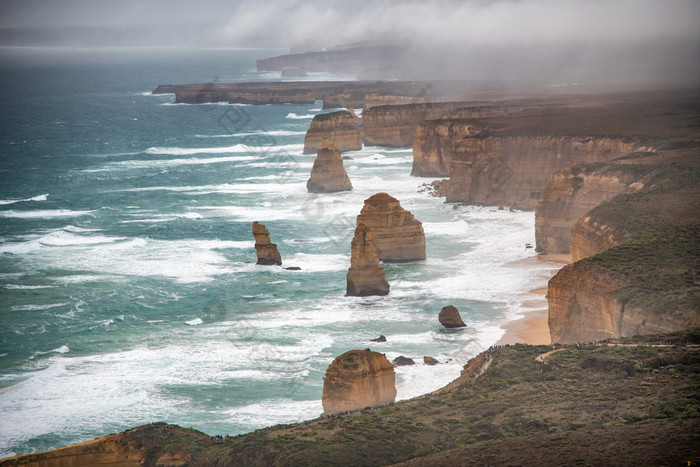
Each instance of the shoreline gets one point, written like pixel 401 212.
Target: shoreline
pixel 532 326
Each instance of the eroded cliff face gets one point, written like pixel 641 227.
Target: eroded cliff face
pixel 341 128
pixel 365 276
pixel 328 174
pixel 358 379
pixel 398 236
pixel 585 304
pixel 513 170
pixel 433 145
pixel 571 193
pixel 637 258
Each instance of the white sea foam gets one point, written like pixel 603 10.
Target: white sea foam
pixel 43 197
pixel 28 287
pixel 37 307
pixel 43 214
pixel 293 116
pixel 194 322
pixel 238 148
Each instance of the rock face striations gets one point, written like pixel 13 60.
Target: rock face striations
pixel 572 192
pixel 398 236
pixel 365 276
pixel 266 251
pixel 637 258
pixel 328 174
pixel 512 171
pixel 432 146
pixel 358 379
pixel 341 128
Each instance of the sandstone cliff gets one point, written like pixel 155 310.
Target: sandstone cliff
pixel 266 251
pixel 328 174
pixel 357 379
pixel 341 128
pixel 571 193
pixel 365 276
pixel 513 170
pixel 638 258
pixel 432 146
pixel 398 236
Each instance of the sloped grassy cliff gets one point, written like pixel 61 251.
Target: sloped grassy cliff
pixel 636 404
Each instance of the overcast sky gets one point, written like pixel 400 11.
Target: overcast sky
pixel 279 23
pixel 613 40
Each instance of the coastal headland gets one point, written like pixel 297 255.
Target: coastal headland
pixel 614 181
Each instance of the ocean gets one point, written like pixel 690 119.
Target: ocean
pixel 129 292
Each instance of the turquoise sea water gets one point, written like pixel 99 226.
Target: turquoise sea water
pixel 128 286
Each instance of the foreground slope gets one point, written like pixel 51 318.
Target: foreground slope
pixel 619 404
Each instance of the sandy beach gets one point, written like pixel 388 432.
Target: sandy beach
pixel 532 327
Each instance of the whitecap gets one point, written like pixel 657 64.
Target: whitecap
pixel 43 197
pixel 177 151
pixel 43 214
pixel 293 116
pixel 194 322
pixel 28 287
pixel 37 307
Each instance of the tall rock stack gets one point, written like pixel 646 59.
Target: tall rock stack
pixel 358 379
pixel 398 236
pixel 266 250
pixel 341 128
pixel 365 276
pixel 328 174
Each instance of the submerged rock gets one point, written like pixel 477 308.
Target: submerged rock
pixel 379 339
pixel 398 236
pixel 450 318
pixel 430 361
pixel 358 379
pixel 266 250
pixel 328 174
pixel 365 276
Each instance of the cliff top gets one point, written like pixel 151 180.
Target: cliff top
pixel 520 411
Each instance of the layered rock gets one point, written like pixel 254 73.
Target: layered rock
pixel 450 318
pixel 637 258
pixel 365 276
pixel 433 145
pixel 571 193
pixel 398 236
pixel 328 174
pixel 358 379
pixel 341 128
pixel 266 251
pixel 513 170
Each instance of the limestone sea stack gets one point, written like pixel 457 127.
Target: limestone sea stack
pixel 450 318
pixel 341 128
pixel 365 276
pixel 358 379
pixel 398 236
pixel 328 174
pixel 266 250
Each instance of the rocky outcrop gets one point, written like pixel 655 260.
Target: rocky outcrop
pixel 430 361
pixel 365 276
pixel 358 379
pixel 432 146
pixel 403 361
pixel 571 193
pixel 154 444
pixel 450 318
pixel 513 170
pixel 398 236
pixel 266 251
pixel 328 174
pixel 340 127
pixel 637 258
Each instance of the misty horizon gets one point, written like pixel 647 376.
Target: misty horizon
pixel 641 42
